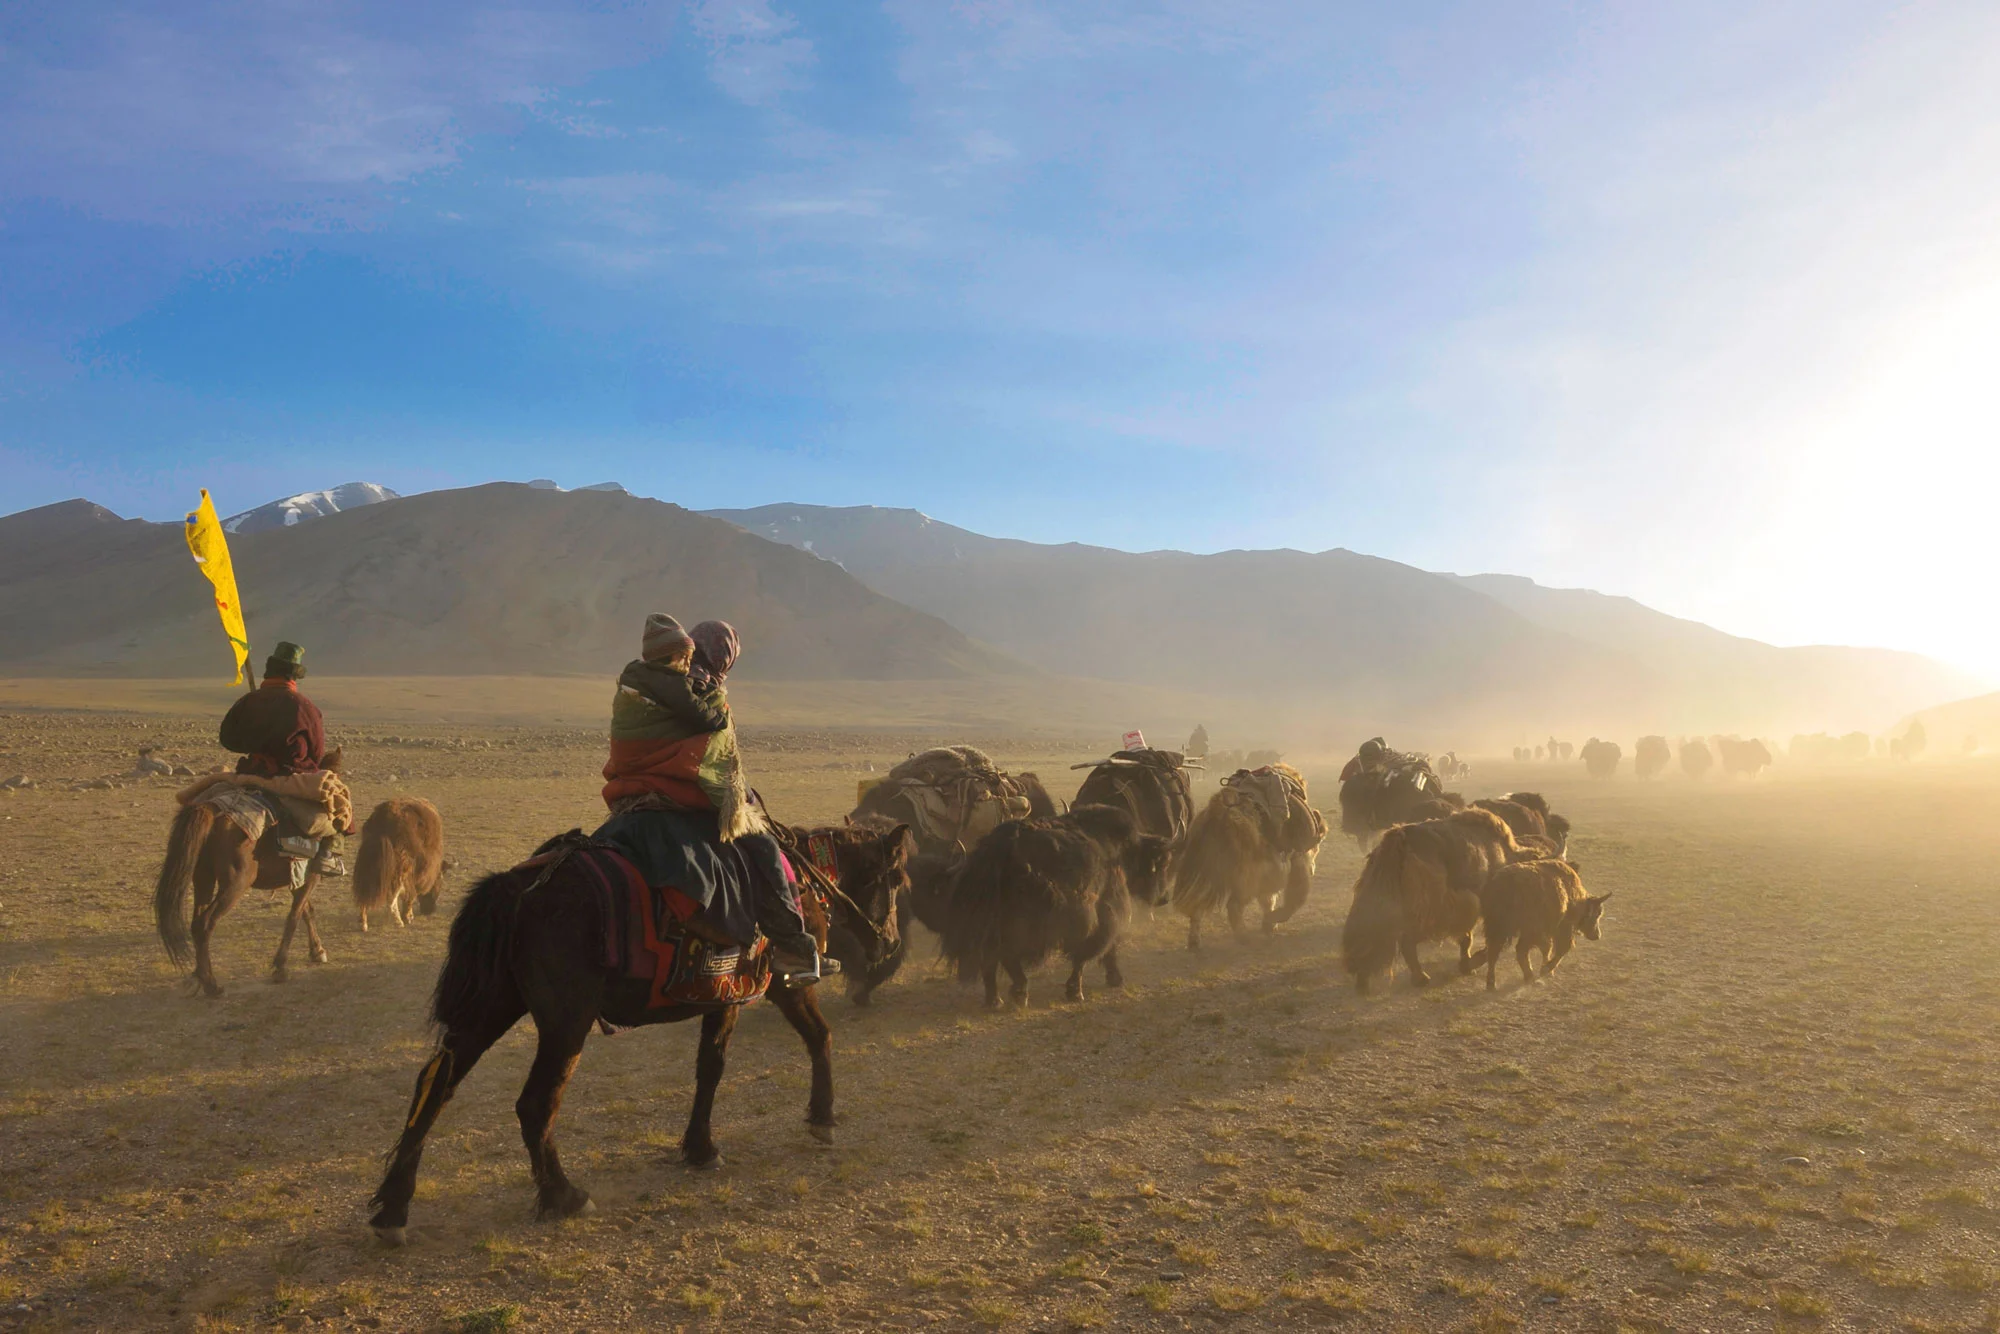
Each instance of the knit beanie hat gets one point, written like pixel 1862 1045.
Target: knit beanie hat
pixel 664 640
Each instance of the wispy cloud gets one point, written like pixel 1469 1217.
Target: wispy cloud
pixel 755 52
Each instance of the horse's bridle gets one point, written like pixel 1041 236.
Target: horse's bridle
pixel 823 884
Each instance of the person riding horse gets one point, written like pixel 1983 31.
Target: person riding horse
pixel 680 808
pixel 278 731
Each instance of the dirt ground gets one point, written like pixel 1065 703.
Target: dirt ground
pixel 1764 1100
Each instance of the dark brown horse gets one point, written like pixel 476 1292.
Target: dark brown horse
pixel 531 941
pixel 210 854
pixel 870 861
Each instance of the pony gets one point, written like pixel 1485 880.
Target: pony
pixel 1238 853
pixel 401 862
pixel 531 941
pixel 1538 904
pixel 1422 883
pixel 1032 887
pixel 211 855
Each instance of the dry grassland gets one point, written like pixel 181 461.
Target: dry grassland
pixel 1764 1101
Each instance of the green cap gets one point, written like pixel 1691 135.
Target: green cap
pixel 288 653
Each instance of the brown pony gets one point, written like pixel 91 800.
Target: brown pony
pixel 212 856
pixel 1422 883
pixel 401 861
pixel 531 941
pixel 1233 858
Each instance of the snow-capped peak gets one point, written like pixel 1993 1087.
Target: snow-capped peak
pixel 308 505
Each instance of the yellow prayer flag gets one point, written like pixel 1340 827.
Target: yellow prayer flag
pixel 211 552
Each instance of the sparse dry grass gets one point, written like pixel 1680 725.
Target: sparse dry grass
pixel 1237 1140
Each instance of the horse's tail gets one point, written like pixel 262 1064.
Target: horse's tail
pixel 1375 920
pixel 382 866
pixel 475 981
pixel 170 892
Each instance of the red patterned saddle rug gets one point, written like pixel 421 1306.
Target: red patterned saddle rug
pixel 647 938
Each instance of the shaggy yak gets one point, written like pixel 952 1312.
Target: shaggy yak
pixel 1743 757
pixel 1536 905
pixel 1237 854
pixel 1600 758
pixel 401 861
pixel 1422 883
pixel 1652 756
pixel 1696 758
pixel 1032 887
pixel 1528 815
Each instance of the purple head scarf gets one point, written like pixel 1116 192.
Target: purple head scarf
pixel 715 650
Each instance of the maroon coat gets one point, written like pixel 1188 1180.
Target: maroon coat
pixel 276 730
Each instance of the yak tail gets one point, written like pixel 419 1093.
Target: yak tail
pixel 170 892
pixel 1375 920
pixel 475 982
pixel 380 868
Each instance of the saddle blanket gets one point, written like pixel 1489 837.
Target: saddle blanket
pixel 646 937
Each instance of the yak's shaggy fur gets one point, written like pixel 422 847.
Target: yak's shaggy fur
pixel 1536 905
pixel 1032 887
pixel 1231 859
pixel 401 862
pixel 1652 756
pixel 1529 816
pixel 1600 758
pixel 1422 883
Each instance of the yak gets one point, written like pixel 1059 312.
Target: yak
pixel 1422 883
pixel 1539 904
pixel 1032 887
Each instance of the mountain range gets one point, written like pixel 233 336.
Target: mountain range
pixel 530 579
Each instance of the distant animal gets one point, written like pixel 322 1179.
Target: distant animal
pixel 1422 883
pixel 1651 758
pixel 532 941
pixel 1600 758
pixel 1746 758
pixel 1854 747
pixel 401 862
pixel 1539 904
pixel 1910 745
pixel 1256 841
pixel 1451 769
pixel 869 864
pixel 1033 887
pixel 1566 752
pixel 1522 753
pixel 208 853
pixel 1527 815
pixel 1696 758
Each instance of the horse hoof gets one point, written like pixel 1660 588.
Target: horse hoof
pixel 393 1237
pixel 824 1134
pixel 280 975
pixel 321 956
pixel 713 1164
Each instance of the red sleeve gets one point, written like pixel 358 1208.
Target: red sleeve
pixel 308 740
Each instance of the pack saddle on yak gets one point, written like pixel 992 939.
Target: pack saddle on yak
pixel 951 797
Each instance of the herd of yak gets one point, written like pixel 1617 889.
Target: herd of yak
pixel 1066 883
pixel 1654 756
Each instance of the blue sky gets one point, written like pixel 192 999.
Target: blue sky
pixel 1694 302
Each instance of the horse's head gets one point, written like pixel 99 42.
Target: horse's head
pixel 872 867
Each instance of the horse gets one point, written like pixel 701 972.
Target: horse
pixel 1237 854
pixel 531 941
pixel 401 862
pixel 211 855
pixel 872 859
